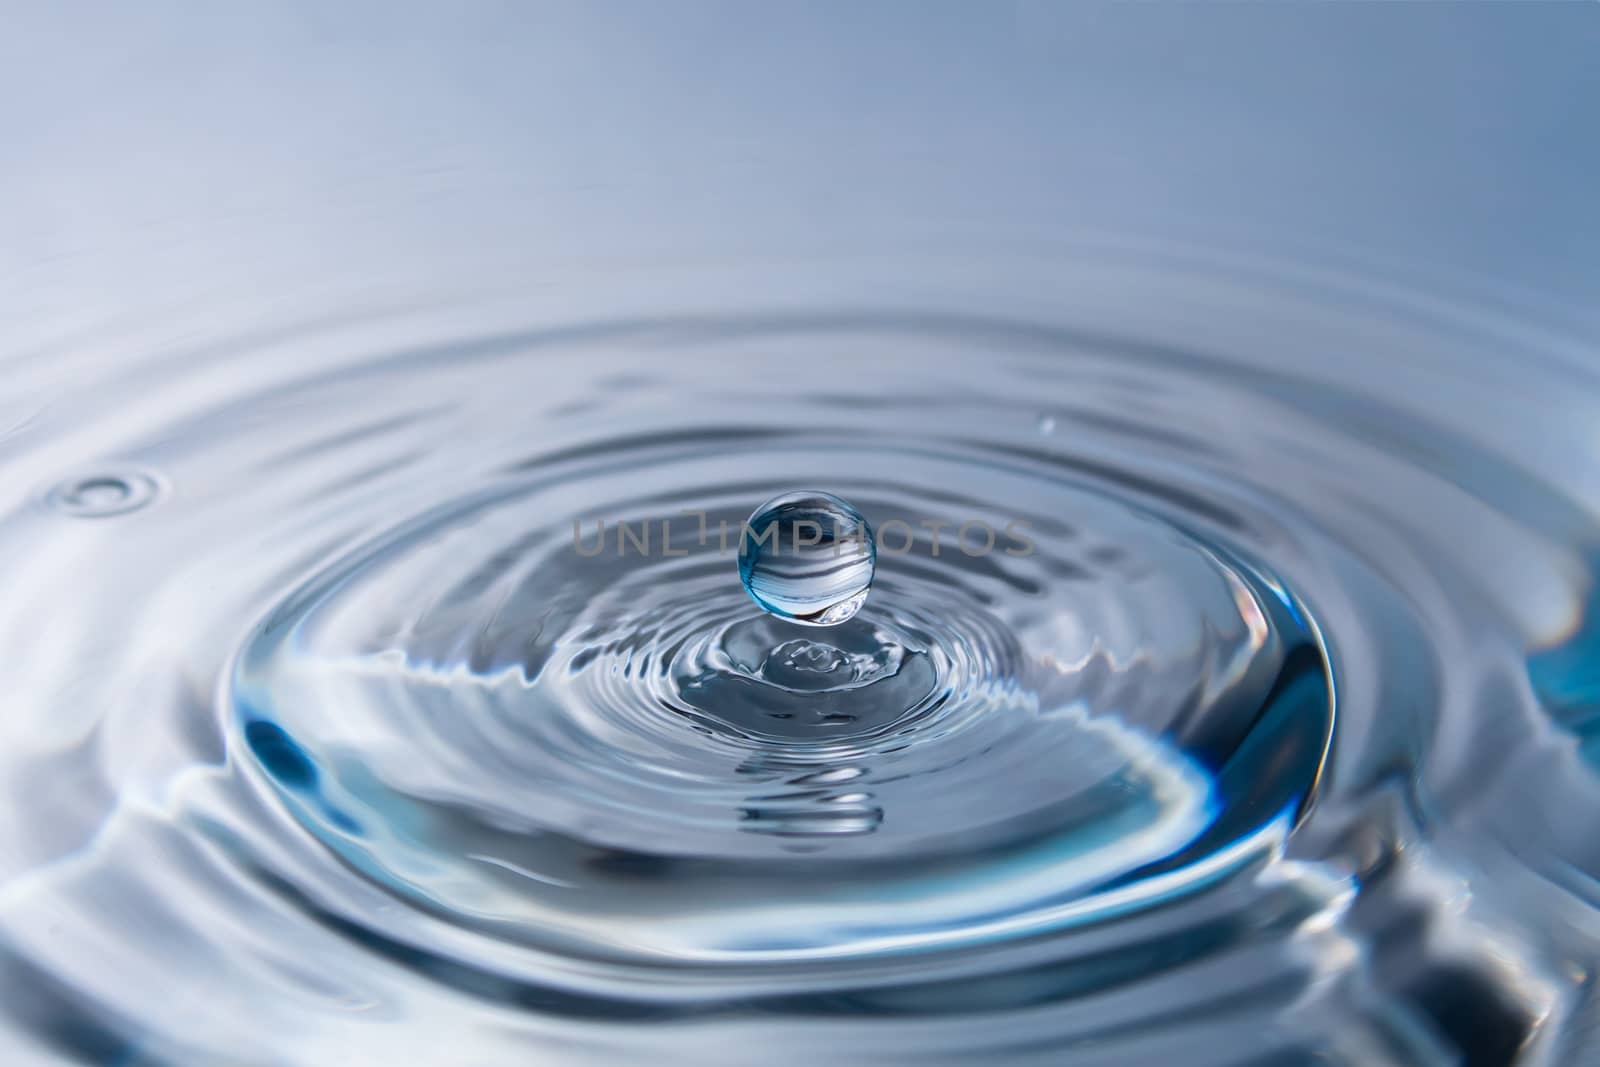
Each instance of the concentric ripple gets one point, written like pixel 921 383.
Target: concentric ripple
pixel 513 733
pixel 1214 702
pixel 104 493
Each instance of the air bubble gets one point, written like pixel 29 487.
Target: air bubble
pixel 104 493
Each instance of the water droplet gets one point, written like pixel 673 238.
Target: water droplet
pixel 1047 424
pixel 818 659
pixel 99 494
pixel 801 665
pixel 807 556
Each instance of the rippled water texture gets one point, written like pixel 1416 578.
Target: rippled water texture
pixel 381 685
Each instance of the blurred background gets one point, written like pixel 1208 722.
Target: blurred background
pixel 168 154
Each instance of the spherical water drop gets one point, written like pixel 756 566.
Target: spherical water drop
pixel 807 556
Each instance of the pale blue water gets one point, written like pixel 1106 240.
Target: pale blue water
pixel 342 724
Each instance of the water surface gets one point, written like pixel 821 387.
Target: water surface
pixel 327 739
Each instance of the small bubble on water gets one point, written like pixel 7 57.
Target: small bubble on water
pixel 807 556
pixel 103 493
pixel 1047 424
